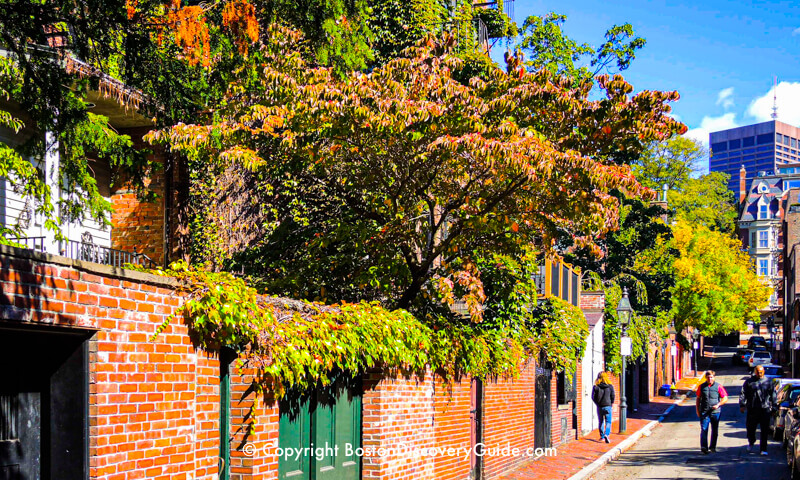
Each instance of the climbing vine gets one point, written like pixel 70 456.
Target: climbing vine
pixel 300 343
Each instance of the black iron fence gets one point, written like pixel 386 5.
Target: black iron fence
pixel 89 252
pixel 32 243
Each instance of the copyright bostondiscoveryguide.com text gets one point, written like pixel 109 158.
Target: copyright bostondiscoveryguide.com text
pixel 402 450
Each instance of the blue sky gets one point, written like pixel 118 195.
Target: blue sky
pixel 720 55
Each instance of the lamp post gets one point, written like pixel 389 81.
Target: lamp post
pixel 624 312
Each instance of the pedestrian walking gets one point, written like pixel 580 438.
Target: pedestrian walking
pixel 711 396
pixel 603 396
pixel 758 398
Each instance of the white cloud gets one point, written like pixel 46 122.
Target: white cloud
pixel 788 104
pixel 725 98
pixel 712 124
pixel 796 32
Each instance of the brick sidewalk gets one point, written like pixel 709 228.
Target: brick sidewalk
pixel 575 455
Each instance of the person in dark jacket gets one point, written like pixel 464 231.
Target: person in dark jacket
pixel 603 397
pixel 711 396
pixel 758 398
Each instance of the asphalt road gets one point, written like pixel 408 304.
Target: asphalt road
pixel 672 451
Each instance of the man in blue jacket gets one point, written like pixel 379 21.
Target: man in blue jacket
pixel 758 398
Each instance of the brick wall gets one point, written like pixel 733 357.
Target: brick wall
pixel 152 405
pixel 138 225
pixel 509 419
pixel 452 404
pixel 595 301
pixel 398 413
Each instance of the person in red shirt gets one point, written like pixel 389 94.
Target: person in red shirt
pixel 711 396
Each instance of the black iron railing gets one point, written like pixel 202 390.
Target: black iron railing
pixel 32 243
pixel 88 252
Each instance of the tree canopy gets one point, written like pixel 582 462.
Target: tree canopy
pixel 716 287
pixel 393 179
pixel 546 46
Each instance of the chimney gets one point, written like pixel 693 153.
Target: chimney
pixel 742 184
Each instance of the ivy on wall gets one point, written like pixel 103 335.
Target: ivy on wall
pixel 301 342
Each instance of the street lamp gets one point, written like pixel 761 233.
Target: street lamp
pixel 624 312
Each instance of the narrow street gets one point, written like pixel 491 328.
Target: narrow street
pixel 673 449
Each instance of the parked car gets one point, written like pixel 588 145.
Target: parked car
pixel 773 371
pixel 779 383
pixel 791 433
pixel 759 358
pixel 756 340
pixel 786 398
pixel 741 356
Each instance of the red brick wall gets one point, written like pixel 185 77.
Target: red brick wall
pixel 261 463
pixel 593 300
pixel 138 225
pixel 509 418
pixel 452 403
pixel 154 406
pixel 398 412
pixel 151 404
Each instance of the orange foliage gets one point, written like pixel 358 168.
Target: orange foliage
pixel 240 17
pixel 191 32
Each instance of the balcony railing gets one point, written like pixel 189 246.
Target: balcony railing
pixel 89 252
pixel 31 243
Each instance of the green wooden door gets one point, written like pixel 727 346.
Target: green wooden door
pixel 327 421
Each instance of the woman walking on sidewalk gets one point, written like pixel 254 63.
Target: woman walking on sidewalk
pixel 603 397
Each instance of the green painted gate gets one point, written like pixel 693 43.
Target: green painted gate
pixel 327 422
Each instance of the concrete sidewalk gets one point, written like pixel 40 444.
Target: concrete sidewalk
pixel 577 454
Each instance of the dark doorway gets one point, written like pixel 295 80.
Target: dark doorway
pixel 644 380
pixel 44 403
pixel 542 416
pixel 476 428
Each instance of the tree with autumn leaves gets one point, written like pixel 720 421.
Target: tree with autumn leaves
pixel 391 185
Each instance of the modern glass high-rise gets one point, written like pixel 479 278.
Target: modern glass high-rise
pixel 768 148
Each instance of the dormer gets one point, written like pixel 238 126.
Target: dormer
pixel 763 208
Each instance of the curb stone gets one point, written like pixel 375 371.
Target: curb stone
pixel 623 446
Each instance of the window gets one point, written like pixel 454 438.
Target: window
pixel 763 267
pixel 794 143
pixel 765 138
pixel 748 141
pixel 719 147
pixel 753 239
pixel 792 183
pixel 735 143
pixel 786 140
pixel 748 150
pixel 763 212
pixel 778 138
pixel 763 239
